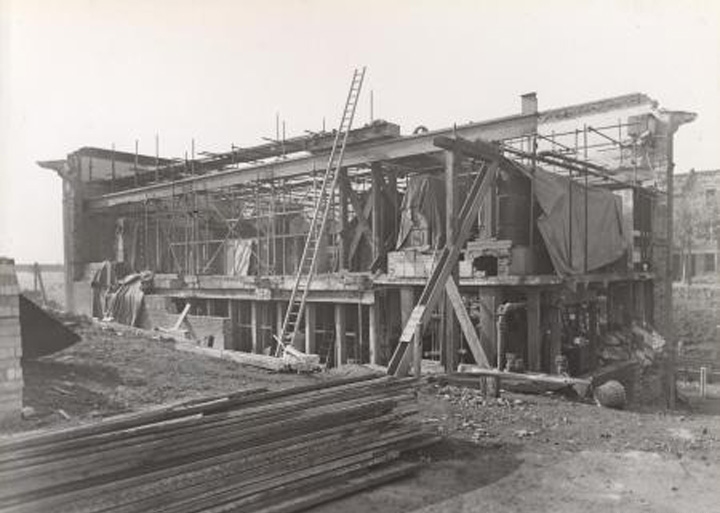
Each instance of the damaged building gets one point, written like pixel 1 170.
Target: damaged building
pixel 568 243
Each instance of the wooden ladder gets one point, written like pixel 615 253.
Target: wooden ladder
pixel 401 359
pixel 308 262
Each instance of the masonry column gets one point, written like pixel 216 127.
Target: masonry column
pixel 374 331
pixel 11 378
pixel 72 227
pixel 310 316
pixel 533 329
pixel 255 327
pixel 234 342
pixel 340 335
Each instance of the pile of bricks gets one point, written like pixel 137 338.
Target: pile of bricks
pixel 11 378
pixel 411 263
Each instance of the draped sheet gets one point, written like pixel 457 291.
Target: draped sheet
pixel 562 224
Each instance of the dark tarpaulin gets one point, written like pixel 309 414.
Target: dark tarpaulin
pixel 119 300
pixel 422 214
pixel 605 242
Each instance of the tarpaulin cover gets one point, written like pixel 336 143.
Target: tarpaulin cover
pixel 422 214
pixel 238 252
pixel 125 302
pixel 565 238
pixel 119 300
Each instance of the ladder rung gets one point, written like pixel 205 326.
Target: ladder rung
pixel 305 271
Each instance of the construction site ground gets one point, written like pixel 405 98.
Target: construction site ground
pixel 518 453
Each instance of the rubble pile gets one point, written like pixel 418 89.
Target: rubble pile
pixel 647 348
pixel 631 343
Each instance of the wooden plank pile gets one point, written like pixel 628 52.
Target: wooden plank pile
pixel 278 451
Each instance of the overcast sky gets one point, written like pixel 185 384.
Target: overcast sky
pixel 91 73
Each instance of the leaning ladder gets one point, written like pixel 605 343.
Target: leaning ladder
pixel 399 364
pixel 308 261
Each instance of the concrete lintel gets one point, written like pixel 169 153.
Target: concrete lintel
pixel 362 154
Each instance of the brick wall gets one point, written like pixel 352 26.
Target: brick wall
pixel 11 378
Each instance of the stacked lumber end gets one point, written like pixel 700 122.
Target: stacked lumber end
pixel 280 451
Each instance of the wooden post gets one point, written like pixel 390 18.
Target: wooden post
pixel 373 334
pixel 452 334
pixel 669 334
pixel 488 335
pixel 342 222
pixel 407 303
pixel 233 343
pixel 703 382
pixel 279 316
pixel 466 326
pixel 534 336
pixel 555 337
pixel 310 317
pixel 340 336
pixel 377 225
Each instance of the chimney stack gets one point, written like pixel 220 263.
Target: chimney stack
pixel 529 103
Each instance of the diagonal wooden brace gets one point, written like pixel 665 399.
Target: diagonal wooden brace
pixel 466 324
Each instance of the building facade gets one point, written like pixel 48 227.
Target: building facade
pixel 573 229
pixel 697 222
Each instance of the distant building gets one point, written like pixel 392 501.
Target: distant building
pixel 697 224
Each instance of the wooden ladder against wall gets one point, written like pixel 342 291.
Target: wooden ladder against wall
pixel 402 357
pixel 308 262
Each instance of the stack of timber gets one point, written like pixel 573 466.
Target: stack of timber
pixel 279 451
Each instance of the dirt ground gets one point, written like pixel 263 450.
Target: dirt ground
pixel 519 453
pixel 114 370
pixel 526 453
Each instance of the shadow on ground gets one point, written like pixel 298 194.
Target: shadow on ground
pixel 453 467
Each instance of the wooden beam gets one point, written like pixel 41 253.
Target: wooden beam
pixel 451 333
pixel 181 319
pixel 362 228
pixel 477 149
pixel 407 303
pixel 489 301
pixel 466 324
pixel 534 336
pixel 340 336
pixel 342 218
